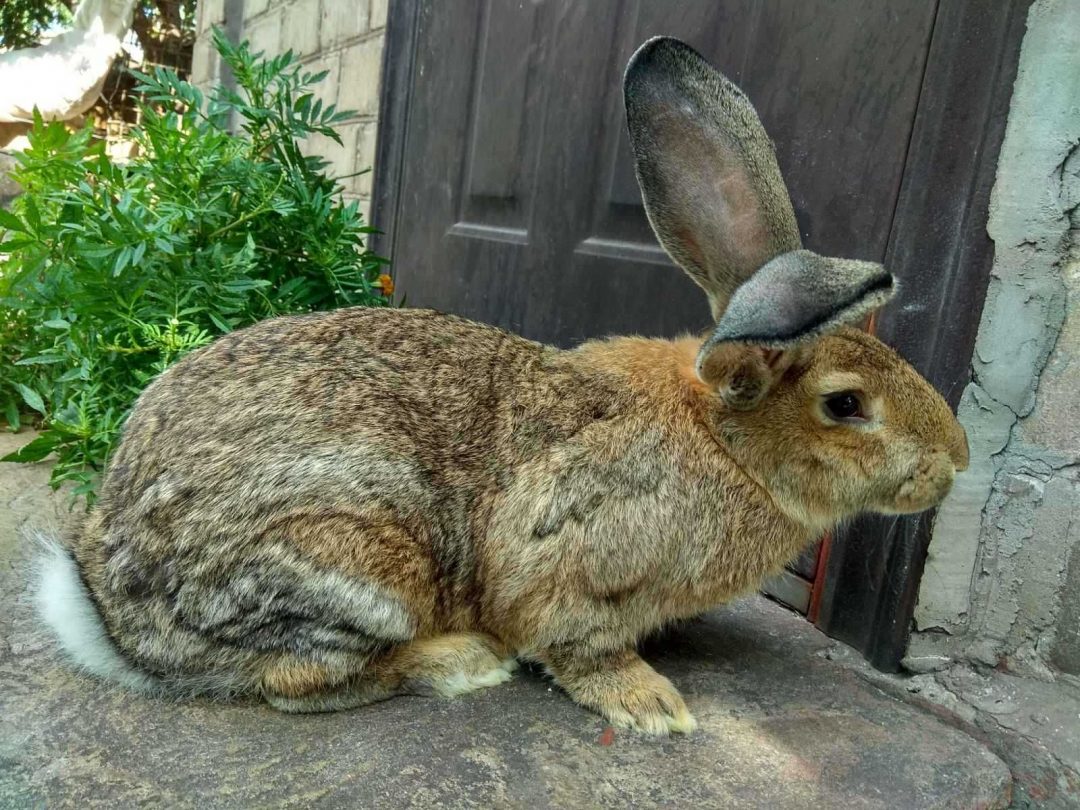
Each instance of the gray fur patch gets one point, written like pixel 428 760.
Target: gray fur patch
pixel 799 296
pixel 277 601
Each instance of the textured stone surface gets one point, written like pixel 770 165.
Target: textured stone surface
pixel 1034 726
pixel 301 32
pixel 359 86
pixel 343 21
pixel 780 726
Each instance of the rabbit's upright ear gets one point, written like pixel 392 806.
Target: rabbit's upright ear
pixel 785 306
pixel 708 175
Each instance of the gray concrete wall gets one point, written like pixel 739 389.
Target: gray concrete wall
pixel 344 37
pixel 1002 581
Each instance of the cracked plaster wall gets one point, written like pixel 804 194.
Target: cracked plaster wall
pixel 1002 579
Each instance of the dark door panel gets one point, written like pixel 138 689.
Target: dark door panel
pixel 518 199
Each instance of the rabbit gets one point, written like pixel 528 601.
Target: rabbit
pixel 331 509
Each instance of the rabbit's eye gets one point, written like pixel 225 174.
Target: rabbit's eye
pixel 845 406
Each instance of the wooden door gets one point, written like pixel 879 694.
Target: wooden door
pixel 506 188
pixel 518 204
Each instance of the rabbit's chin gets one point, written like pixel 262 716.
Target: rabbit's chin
pixel 925 488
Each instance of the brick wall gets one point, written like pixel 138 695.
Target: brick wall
pixel 344 37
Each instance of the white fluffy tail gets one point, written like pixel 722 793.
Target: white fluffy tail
pixel 65 605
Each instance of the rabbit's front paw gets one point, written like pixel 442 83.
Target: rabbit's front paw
pixel 655 708
pixel 625 690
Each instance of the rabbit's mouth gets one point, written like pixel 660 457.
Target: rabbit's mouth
pixel 926 487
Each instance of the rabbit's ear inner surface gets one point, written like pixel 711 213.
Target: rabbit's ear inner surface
pixel 784 307
pixel 708 174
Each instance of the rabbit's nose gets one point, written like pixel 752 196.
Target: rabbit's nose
pixel 959 450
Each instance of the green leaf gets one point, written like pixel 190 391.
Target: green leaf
pixel 122 260
pixel 97 252
pixel 66 429
pixel 85 488
pixel 31 398
pixel 40 360
pixel 219 323
pixel 11 413
pixel 244 284
pixel 14 245
pixel 33 215
pixel 35 450
pixel 71 374
pixel 57 323
pixel 10 222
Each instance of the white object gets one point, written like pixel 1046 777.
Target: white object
pixel 63 78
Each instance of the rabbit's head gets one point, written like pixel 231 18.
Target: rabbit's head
pixel 829 418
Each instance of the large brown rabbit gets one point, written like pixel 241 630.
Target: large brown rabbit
pixel 333 509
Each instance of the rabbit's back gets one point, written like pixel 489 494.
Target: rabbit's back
pixel 351 407
pixel 410 377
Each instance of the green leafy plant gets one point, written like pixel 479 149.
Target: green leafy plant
pixel 113 272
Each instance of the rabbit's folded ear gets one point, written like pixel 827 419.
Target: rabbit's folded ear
pixel 785 306
pixel 708 174
pixel 800 296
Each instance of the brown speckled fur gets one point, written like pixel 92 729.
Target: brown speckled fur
pixel 465 481
pixel 336 508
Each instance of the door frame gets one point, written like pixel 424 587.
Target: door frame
pixel 398 61
pixel 868 584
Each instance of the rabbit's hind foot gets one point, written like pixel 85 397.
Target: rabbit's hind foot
pixel 448 665
pixel 297 686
